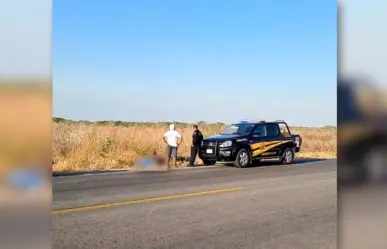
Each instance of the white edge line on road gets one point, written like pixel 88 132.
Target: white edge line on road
pixel 129 170
pixel 180 171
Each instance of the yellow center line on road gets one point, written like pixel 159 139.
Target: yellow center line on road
pixel 145 200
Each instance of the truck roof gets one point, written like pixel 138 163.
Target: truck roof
pixel 260 121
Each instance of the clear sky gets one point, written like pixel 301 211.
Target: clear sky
pixel 217 60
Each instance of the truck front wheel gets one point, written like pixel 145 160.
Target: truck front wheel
pixel 242 159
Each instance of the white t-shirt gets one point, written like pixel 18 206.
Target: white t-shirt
pixel 172 137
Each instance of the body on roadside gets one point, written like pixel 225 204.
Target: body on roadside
pixel 173 139
pixel 197 138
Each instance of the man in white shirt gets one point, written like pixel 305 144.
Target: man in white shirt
pixel 173 139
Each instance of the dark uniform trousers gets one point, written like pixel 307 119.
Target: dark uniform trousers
pixel 194 152
pixel 197 138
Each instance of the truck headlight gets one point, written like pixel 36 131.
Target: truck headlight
pixel 226 144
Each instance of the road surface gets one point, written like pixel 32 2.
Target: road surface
pixel 270 206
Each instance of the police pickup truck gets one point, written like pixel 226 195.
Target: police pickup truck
pixel 245 142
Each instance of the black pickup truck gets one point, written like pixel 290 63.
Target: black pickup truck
pixel 243 142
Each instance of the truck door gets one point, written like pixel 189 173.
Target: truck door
pixel 273 141
pixel 257 139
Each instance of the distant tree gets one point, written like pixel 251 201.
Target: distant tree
pixel 87 122
pixel 58 119
pixel 102 122
pixel 119 123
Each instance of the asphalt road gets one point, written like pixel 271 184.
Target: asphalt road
pixel 270 206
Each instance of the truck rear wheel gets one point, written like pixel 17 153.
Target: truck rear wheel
pixel 287 156
pixel 242 159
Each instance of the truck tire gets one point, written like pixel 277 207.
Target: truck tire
pixel 287 156
pixel 243 159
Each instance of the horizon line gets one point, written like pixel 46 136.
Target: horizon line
pixel 177 122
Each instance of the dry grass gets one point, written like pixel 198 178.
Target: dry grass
pixel 93 147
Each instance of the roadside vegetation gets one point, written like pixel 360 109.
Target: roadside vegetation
pixel 85 145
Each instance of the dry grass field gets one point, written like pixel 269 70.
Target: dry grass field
pixel 82 146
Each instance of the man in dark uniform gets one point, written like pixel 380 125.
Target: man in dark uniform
pixel 197 138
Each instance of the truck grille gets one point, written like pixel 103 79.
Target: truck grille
pixel 209 144
pixel 209 148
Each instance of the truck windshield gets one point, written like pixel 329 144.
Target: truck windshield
pixel 237 129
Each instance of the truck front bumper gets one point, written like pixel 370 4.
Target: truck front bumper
pixel 216 153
